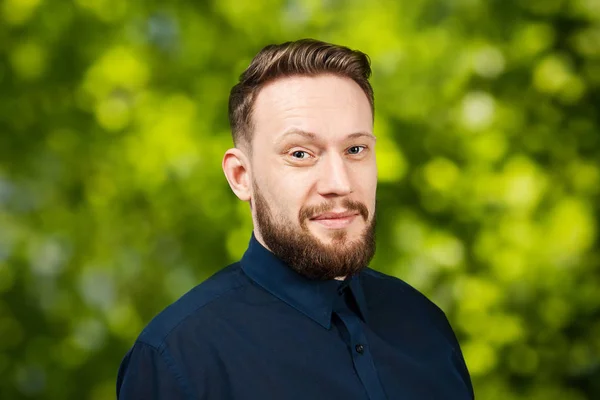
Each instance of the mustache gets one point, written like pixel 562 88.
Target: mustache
pixel 350 205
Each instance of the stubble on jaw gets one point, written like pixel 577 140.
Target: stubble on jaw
pixel 305 253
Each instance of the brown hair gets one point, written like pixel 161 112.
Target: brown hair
pixel 307 57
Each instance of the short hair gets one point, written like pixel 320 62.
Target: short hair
pixel 305 57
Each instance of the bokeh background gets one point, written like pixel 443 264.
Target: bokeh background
pixel 113 122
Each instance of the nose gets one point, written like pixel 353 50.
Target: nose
pixel 334 179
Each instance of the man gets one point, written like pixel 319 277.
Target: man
pixel 301 316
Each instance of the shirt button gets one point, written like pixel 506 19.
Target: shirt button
pixel 359 348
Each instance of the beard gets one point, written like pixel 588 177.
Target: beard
pixel 305 253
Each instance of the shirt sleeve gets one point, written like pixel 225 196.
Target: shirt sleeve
pixel 147 373
pixel 460 361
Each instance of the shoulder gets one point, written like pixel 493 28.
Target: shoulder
pixel 192 305
pixel 394 292
pixel 394 299
pixel 391 296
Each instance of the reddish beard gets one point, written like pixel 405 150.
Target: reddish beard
pixel 306 254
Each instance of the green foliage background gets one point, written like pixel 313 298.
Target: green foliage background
pixel 113 122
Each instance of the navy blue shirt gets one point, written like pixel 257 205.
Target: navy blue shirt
pixel 259 330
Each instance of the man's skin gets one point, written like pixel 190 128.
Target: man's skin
pixel 312 144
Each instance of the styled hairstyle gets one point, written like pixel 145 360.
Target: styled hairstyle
pixel 305 57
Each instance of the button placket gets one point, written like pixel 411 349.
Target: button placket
pixel 360 349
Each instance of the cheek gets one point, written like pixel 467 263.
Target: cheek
pixel 367 187
pixel 287 195
pixel 365 178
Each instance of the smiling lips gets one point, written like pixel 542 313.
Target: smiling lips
pixel 336 220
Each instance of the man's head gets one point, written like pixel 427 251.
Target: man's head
pixel 302 122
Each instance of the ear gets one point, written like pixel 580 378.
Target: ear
pixel 236 167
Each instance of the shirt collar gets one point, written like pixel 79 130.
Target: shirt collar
pixel 314 298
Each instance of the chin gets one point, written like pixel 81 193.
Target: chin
pixel 333 236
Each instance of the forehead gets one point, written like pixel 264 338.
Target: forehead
pixel 327 105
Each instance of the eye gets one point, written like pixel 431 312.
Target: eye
pixel 356 150
pixel 300 155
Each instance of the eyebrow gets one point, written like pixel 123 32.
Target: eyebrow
pixel 361 134
pixel 312 136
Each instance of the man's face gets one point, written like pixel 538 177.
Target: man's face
pixel 314 174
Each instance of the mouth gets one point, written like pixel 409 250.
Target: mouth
pixel 335 220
